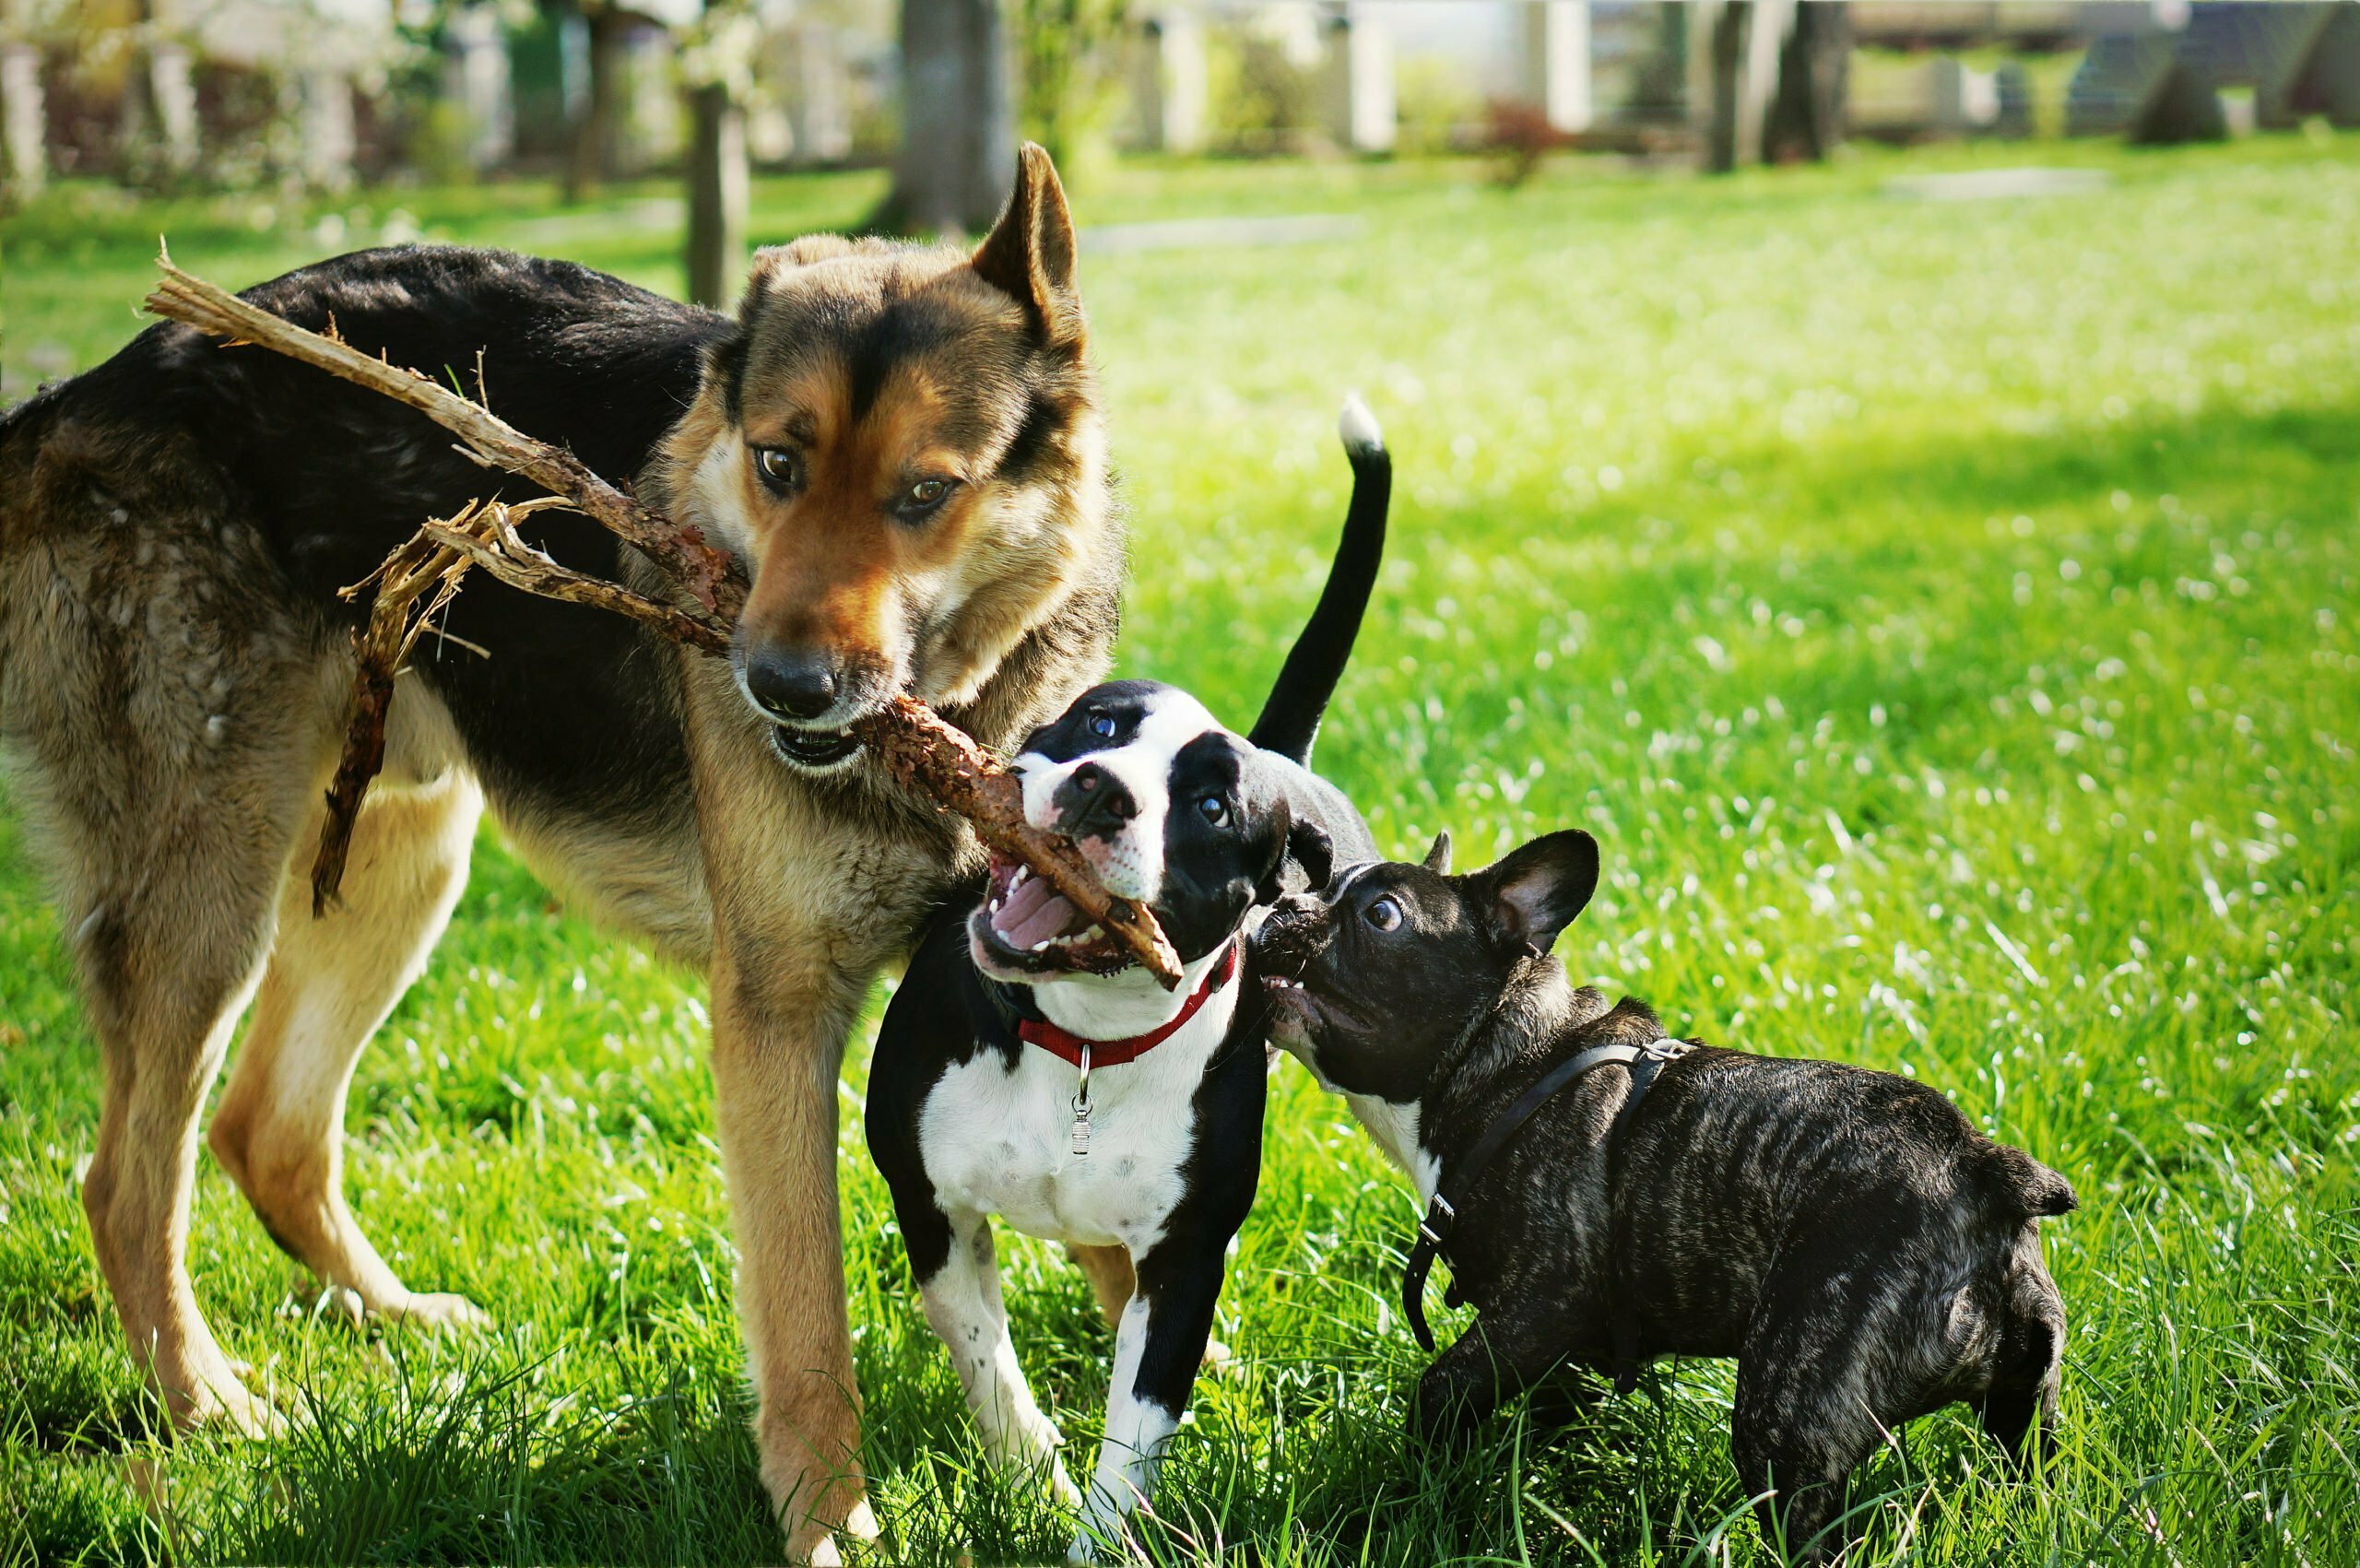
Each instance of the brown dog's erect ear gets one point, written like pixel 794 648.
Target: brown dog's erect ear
pixel 1029 253
pixel 1536 891
pixel 1438 855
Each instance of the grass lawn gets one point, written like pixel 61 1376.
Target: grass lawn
pixel 1944 615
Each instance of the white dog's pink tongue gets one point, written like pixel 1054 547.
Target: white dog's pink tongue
pixel 1034 912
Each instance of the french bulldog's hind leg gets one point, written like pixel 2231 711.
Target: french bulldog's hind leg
pixel 2023 1396
pixel 1803 1420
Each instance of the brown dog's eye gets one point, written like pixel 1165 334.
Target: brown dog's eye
pixel 780 469
pixel 921 499
pixel 1383 914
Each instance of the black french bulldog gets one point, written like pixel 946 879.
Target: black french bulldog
pixel 1865 1253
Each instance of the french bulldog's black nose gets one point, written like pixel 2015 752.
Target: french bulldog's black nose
pixel 1289 932
pixel 792 683
pixel 1092 800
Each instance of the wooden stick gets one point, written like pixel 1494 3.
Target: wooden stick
pixel 415 568
pixel 680 552
pixel 919 749
pixel 489 541
pixel 935 758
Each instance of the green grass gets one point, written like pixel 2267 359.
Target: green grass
pixel 1944 615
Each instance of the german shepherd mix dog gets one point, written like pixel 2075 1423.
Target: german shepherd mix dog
pixel 905 447
pixel 1607 1196
pixel 1026 1069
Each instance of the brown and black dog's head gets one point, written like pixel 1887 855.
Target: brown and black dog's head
pixel 903 444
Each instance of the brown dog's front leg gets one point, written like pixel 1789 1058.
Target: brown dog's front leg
pixel 778 1037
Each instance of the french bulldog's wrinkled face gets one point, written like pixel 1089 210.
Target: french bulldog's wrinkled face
pixel 1171 810
pixel 1372 979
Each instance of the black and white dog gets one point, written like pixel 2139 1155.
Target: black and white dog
pixel 1025 1070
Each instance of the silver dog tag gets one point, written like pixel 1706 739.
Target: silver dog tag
pixel 1081 1107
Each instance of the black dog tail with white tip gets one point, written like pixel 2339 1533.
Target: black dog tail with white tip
pixel 1290 720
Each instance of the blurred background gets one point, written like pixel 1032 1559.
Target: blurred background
pixel 290 104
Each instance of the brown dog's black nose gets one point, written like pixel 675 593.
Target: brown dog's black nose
pixel 1092 800
pixel 792 683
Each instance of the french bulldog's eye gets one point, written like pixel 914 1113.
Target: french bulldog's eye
pixel 1215 810
pixel 780 469
pixel 1103 725
pixel 1383 914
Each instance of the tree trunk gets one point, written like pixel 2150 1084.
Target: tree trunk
pixel 590 161
pixel 717 192
pixel 1807 115
pixel 1728 65
pixel 958 155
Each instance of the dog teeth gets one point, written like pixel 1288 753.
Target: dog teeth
pixel 1023 875
pixel 1093 932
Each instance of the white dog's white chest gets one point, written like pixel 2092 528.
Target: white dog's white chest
pixel 998 1141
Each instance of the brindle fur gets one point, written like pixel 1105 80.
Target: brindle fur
pixel 173 662
pixel 1862 1250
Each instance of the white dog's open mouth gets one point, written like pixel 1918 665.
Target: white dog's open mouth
pixel 1026 925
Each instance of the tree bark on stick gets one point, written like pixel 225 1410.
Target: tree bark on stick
pixel 932 757
pixel 679 552
pixel 917 747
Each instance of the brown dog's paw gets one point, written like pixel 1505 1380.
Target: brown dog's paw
pixel 435 1311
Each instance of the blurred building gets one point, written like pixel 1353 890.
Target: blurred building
pixel 322 91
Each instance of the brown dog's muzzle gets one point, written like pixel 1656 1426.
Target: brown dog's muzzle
pixel 793 684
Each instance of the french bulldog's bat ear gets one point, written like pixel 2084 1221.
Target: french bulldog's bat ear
pixel 1438 855
pixel 1536 891
pixel 1309 847
pixel 1029 253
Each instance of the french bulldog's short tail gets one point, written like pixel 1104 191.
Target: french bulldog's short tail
pixel 1290 719
pixel 2039 1191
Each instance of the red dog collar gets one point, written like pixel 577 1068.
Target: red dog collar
pixel 1069 1046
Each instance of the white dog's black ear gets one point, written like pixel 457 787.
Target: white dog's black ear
pixel 1310 848
pixel 1438 855
pixel 1534 891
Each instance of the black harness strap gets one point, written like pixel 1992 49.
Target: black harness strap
pixel 1433 1231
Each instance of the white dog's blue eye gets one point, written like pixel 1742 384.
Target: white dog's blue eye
pixel 1215 809
pixel 1383 914
pixel 1101 725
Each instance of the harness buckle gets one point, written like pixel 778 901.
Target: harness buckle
pixel 1437 1221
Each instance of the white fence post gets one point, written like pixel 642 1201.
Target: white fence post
pixel 24 125
pixel 1172 84
pixel 1556 62
pixel 1359 76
